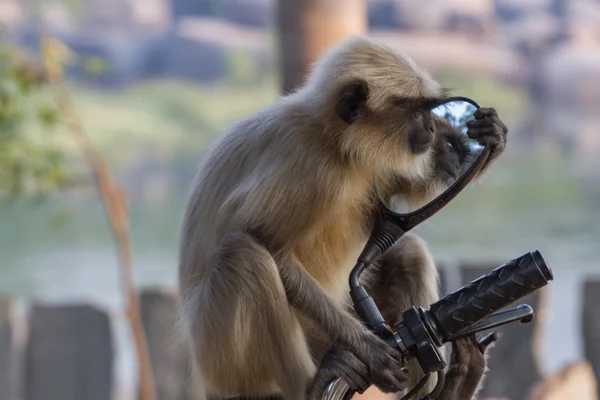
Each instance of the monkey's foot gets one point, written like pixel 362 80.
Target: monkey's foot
pixel 464 377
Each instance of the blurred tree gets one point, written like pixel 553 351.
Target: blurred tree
pixel 54 56
pixel 308 27
pixel 31 162
pixel 34 97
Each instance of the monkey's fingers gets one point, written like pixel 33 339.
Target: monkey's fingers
pixel 452 383
pixel 356 382
pixel 389 381
pixel 396 355
pixel 491 135
pixel 354 379
pixel 485 112
pixel 477 123
pixel 487 340
pixel 491 120
pixel 342 362
pixel 460 354
pixel 354 372
pixel 459 370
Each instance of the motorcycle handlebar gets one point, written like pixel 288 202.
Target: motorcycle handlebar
pixel 421 331
pixel 489 293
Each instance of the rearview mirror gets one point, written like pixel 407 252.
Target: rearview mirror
pixel 453 115
pixel 392 221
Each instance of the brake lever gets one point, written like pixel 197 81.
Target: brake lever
pixel 522 313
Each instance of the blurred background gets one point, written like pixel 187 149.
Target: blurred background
pixel 154 82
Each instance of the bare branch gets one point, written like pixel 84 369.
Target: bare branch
pixel 114 200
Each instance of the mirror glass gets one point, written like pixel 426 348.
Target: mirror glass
pixel 454 156
pixel 458 113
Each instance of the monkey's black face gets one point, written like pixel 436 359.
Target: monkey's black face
pixel 421 130
pixel 451 154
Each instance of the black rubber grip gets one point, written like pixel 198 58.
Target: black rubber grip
pixel 490 292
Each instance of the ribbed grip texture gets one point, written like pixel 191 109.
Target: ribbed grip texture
pixel 490 292
pixel 383 240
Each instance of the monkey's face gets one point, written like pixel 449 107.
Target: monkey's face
pixel 397 134
pixel 421 130
pixel 451 155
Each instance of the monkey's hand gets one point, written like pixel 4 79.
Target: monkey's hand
pixel 488 129
pixel 467 367
pixel 339 362
pixel 386 367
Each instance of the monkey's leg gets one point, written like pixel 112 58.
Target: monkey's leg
pixel 467 367
pixel 404 276
pixel 247 341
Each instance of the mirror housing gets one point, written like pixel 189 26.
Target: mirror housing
pixel 391 226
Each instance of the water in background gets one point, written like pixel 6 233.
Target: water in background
pixel 548 203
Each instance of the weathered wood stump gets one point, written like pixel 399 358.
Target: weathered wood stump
pixel 69 354
pixel 513 368
pixel 575 381
pixel 169 359
pixel 7 386
pixel 590 322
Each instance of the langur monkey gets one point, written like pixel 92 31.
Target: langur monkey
pixel 280 210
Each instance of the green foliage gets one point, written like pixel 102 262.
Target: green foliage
pixel 31 164
pixel 242 67
pixel 76 8
pixel 166 121
pixel 94 65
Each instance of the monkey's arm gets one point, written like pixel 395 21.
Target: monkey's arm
pixel 488 129
pixel 348 334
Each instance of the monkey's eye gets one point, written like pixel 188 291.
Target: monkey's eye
pixel 449 146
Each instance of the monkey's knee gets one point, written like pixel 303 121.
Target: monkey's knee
pixel 410 255
pixel 405 276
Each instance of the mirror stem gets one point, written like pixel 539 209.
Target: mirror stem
pixel 385 234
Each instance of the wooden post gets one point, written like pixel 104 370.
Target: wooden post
pixel 575 381
pixel 69 354
pixel 307 27
pixel 513 367
pixel 169 361
pixel 7 371
pixel 590 322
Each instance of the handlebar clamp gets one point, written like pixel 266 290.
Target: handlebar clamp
pixel 416 341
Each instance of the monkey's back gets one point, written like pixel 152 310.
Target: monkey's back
pixel 272 172
pixel 226 168
pixel 265 175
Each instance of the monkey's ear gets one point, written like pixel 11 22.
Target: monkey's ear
pixel 351 100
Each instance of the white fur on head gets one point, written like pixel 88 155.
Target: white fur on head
pixel 380 142
pixel 388 72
